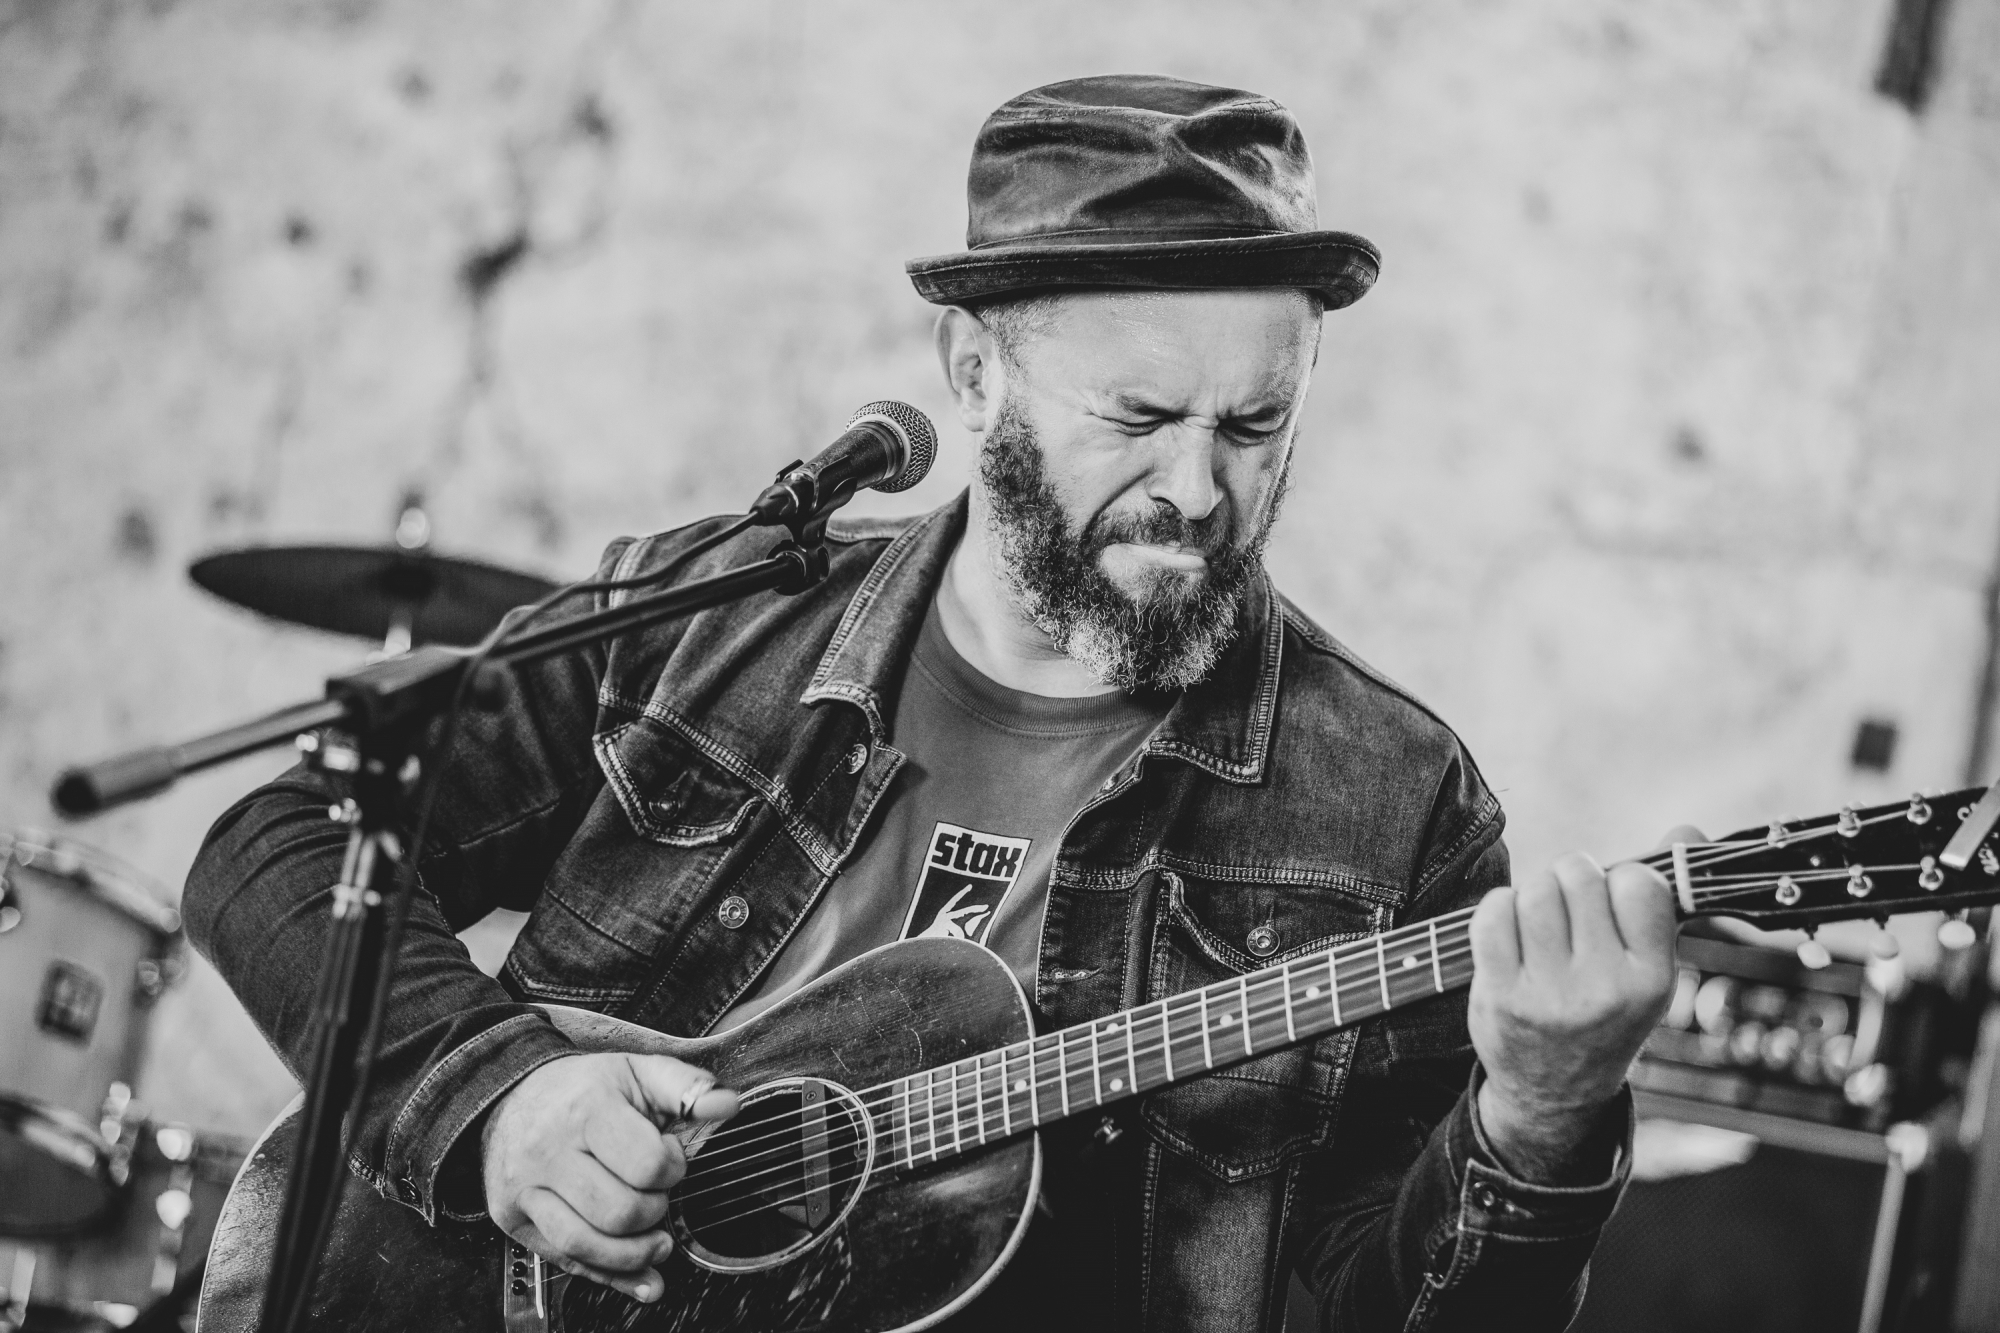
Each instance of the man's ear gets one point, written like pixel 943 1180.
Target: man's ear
pixel 971 366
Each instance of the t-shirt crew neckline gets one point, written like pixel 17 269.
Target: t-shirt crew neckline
pixel 1018 711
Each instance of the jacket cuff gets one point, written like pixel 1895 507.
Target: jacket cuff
pixel 452 1097
pixel 1498 1205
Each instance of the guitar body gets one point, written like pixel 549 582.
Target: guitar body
pixel 894 1250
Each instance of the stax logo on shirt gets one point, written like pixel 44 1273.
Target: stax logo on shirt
pixel 967 875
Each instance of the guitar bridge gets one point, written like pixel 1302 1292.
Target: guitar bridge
pixel 528 1290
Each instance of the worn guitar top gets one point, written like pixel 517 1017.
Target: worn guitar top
pixel 964 846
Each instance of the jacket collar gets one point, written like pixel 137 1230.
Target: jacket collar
pixel 1222 725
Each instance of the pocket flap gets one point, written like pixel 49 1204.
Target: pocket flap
pixel 671 790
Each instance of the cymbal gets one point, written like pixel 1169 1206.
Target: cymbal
pixel 372 592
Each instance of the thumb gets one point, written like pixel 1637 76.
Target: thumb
pixel 670 1090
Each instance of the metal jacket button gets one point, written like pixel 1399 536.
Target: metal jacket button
pixel 857 759
pixel 1263 941
pixel 733 911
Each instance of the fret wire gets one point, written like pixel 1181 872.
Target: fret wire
pixel 979 1095
pixel 1243 992
pixel 930 1111
pixel 1062 1072
pixel 1006 1097
pixel 1333 987
pixel 1382 969
pixel 1207 1052
pixel 909 1124
pixel 957 1120
pixel 1035 1087
pixel 1437 968
pixel 1167 1039
pixel 1096 1073
pixel 1285 981
pixel 1131 1060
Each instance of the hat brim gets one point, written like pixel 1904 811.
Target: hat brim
pixel 1339 266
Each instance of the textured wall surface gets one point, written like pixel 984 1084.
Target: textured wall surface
pixel 1663 453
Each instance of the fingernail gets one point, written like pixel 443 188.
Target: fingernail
pixel 646 1291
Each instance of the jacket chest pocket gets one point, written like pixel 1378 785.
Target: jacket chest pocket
pixel 1248 1119
pixel 673 791
pixel 640 870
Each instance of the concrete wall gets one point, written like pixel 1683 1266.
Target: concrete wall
pixel 1663 453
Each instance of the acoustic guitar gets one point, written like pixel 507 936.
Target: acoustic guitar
pixel 884 1165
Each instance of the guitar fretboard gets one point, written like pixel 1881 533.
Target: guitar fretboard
pixel 941 1112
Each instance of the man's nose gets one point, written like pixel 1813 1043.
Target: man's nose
pixel 1184 472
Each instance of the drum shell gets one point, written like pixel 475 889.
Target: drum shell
pixel 86 953
pixel 132 1257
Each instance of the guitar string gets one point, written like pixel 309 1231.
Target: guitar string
pixel 876 1100
pixel 881 1098
pixel 959 1104
pixel 928 1104
pixel 1716 853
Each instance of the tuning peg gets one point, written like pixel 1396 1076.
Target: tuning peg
pixel 1955 932
pixel 1884 945
pixel 1814 954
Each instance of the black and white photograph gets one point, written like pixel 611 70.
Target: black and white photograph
pixel 1131 666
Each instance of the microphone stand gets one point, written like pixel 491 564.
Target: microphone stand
pixel 376 720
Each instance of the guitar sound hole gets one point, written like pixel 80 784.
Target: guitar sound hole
pixel 775 1178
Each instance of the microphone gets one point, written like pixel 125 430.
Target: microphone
pixel 887 446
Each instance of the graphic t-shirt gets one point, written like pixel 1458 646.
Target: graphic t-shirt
pixel 969 836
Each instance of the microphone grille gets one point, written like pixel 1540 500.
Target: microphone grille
pixel 914 429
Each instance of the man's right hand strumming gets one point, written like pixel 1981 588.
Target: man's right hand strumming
pixel 577 1162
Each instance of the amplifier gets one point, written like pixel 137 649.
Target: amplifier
pixel 1756 1029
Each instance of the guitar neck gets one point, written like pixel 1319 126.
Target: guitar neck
pixel 994 1095
pixel 1930 854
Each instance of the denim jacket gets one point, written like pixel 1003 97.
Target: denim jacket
pixel 636 799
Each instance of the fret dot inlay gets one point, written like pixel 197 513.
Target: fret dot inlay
pixel 1117 1083
pixel 1409 960
pixel 1312 992
pixel 1020 1085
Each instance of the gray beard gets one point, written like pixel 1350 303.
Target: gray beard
pixel 1167 638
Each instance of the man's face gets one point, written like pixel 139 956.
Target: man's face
pixel 1134 465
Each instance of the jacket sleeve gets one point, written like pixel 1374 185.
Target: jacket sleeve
pixel 1411 1221
pixel 257 905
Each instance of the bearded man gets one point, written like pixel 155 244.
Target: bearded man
pixel 1067 717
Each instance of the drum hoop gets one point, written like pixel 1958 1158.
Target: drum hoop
pixel 69 1139
pixel 104 876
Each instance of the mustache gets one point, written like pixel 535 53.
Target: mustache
pixel 1164 525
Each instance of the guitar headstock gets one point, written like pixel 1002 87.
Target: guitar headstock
pixel 1927 854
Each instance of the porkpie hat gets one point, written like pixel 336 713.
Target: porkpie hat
pixel 1139 180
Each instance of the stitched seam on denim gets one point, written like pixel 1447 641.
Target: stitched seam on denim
pixel 1274 1266
pixel 1228 1172
pixel 465 1122
pixel 1489 815
pixel 1220 950
pixel 395 1150
pixel 592 926
pixel 554 991
pixel 652 992
pixel 802 832
pixel 770 959
pixel 1202 759
pixel 1288 875
pixel 644 813
pixel 864 597
pixel 1149 1200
